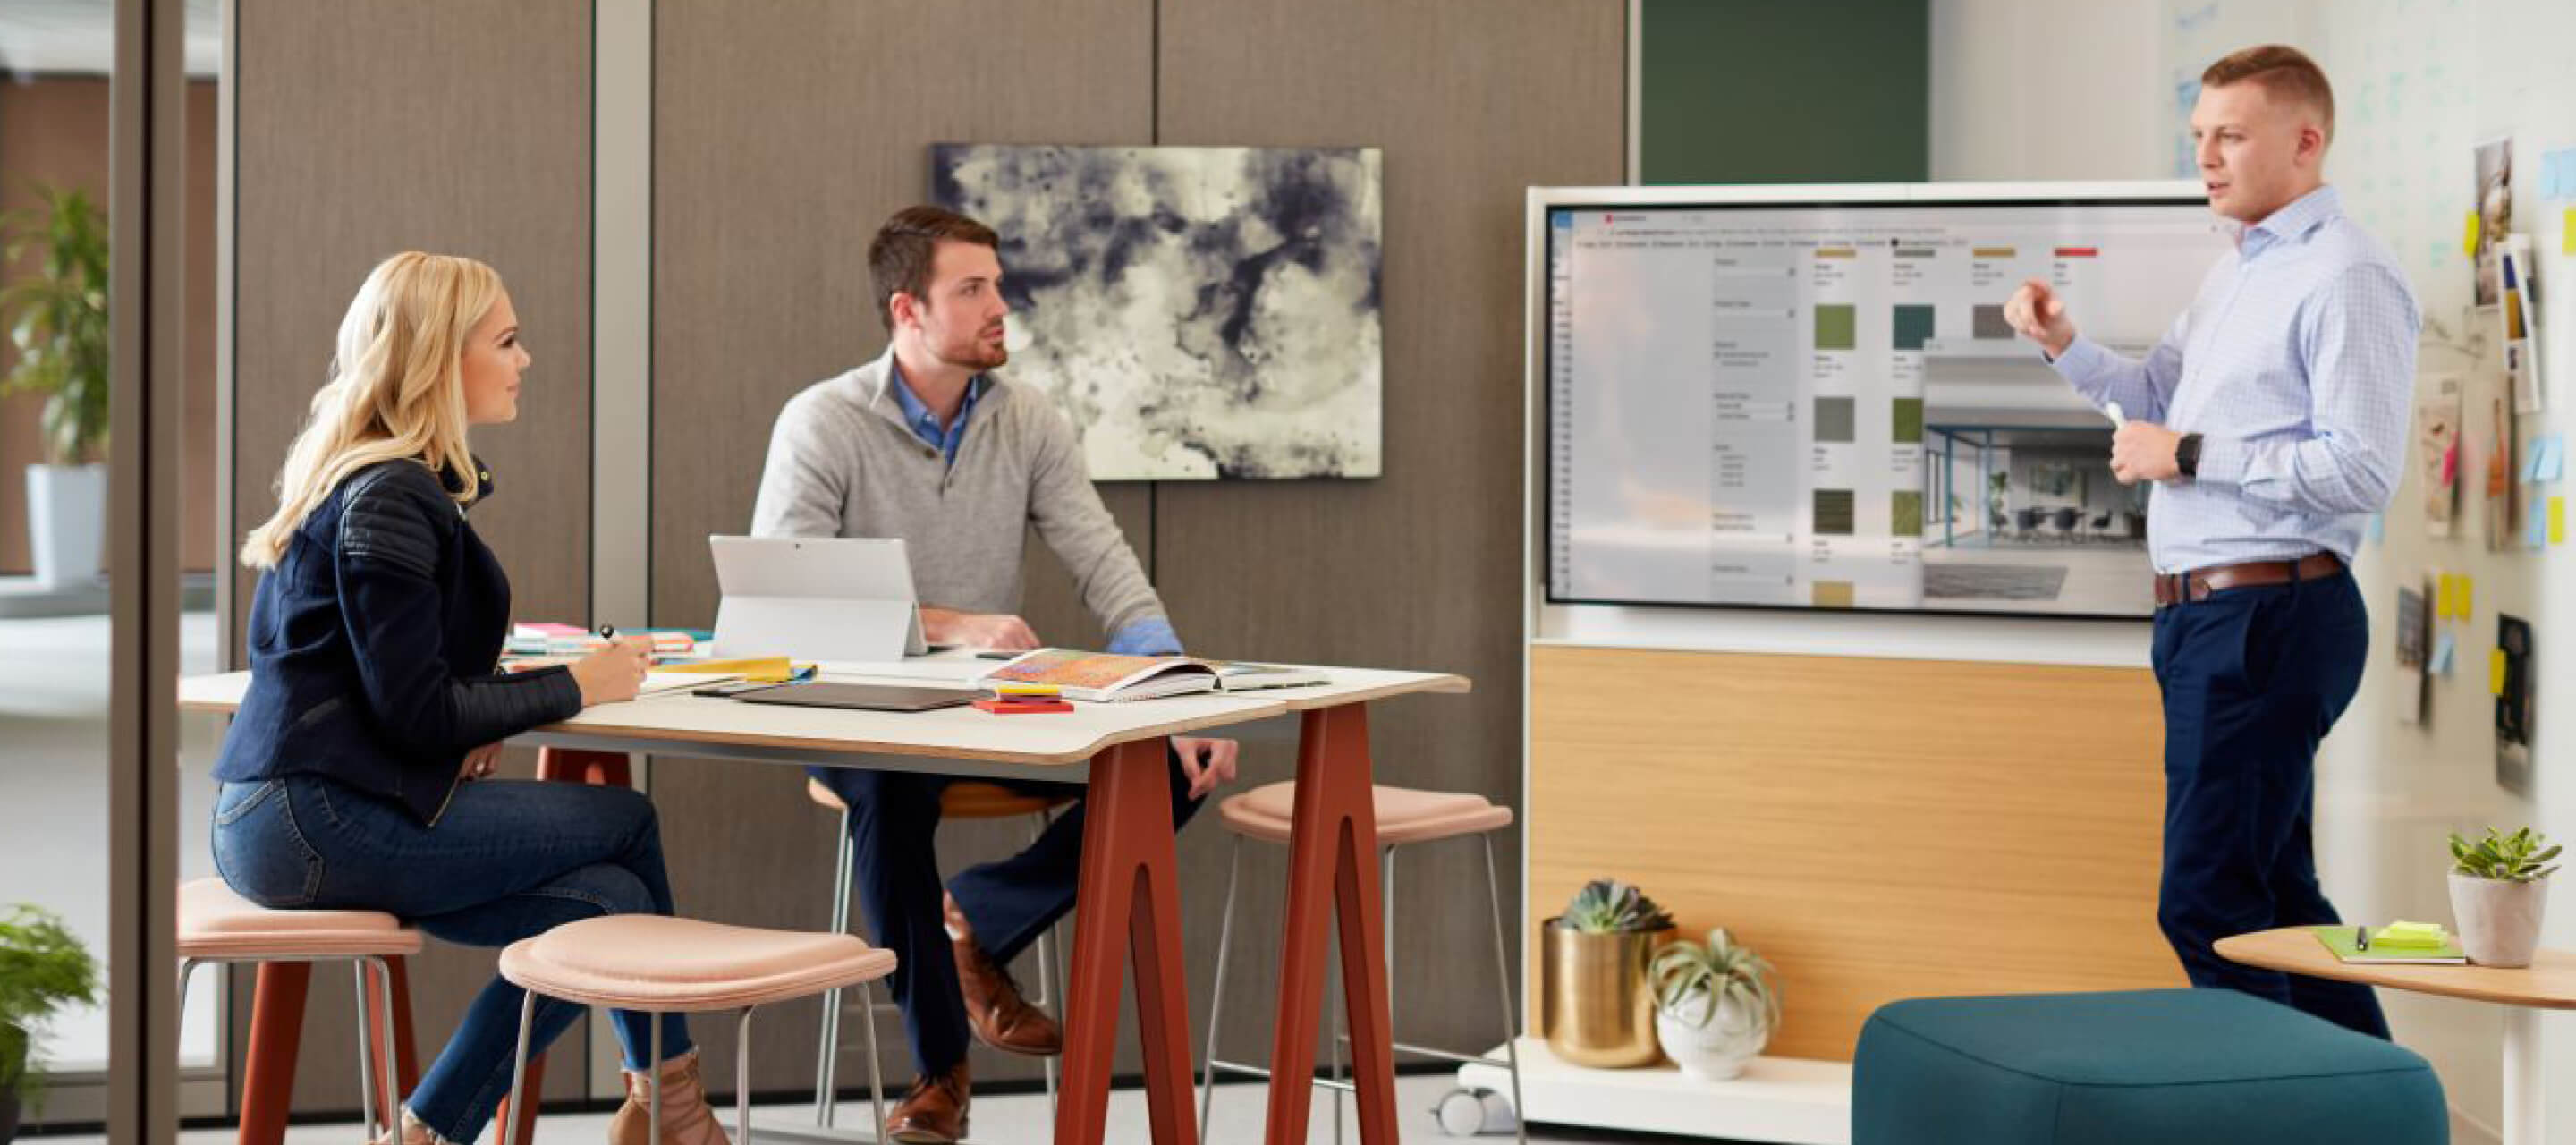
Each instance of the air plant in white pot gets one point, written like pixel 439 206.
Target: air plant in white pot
pixel 1715 1005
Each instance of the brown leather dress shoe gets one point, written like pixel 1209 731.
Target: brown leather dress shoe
pixel 1000 1017
pixel 933 1113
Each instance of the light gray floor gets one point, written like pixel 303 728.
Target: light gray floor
pixel 1005 1120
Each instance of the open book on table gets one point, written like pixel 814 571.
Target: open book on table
pixel 1100 677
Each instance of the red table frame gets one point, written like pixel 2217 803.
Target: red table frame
pixel 1129 909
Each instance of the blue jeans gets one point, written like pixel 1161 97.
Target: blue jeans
pixel 894 816
pixel 2252 679
pixel 507 860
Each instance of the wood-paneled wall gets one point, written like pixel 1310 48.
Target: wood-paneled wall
pixel 1878 829
pixel 369 127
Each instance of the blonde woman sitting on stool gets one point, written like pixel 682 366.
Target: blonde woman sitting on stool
pixel 354 775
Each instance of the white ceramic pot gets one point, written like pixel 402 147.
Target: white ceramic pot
pixel 1716 1049
pixel 66 522
pixel 2499 921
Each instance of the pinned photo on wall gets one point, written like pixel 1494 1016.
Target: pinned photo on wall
pixel 2518 318
pixel 2437 449
pixel 2503 500
pixel 2509 677
pixel 2414 653
pixel 2494 214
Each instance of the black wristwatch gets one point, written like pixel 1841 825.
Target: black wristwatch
pixel 2187 455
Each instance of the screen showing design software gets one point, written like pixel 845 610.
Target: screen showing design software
pixel 1820 406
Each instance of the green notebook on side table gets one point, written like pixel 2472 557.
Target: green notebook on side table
pixel 2339 939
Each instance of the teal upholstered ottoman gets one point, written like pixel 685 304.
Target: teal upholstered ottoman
pixel 2149 1067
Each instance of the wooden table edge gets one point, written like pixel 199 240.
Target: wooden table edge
pixel 2440 981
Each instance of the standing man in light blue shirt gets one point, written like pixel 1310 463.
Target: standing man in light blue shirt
pixel 2272 420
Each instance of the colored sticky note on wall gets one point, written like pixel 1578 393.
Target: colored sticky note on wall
pixel 2468 592
pixel 2567 233
pixel 2495 671
pixel 2551 464
pixel 2557 520
pixel 2379 528
pixel 2445 649
pixel 2469 237
pixel 2535 531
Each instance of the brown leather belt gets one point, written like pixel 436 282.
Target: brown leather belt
pixel 2175 588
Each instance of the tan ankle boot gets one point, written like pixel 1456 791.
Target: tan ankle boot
pixel 686 1120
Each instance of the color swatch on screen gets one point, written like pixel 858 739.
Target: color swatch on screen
pixel 1838 327
pixel 1837 419
pixel 1908 419
pixel 1990 323
pixel 1905 513
pixel 1913 327
pixel 1834 512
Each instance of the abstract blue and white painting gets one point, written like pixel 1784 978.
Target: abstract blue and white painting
pixel 1199 312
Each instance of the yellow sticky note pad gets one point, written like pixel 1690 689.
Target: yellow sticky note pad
pixel 2447 599
pixel 2495 671
pixel 2469 240
pixel 2567 233
pixel 2557 520
pixel 2468 592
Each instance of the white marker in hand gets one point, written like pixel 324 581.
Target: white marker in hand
pixel 2117 420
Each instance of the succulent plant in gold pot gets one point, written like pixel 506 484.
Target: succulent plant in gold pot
pixel 1596 1006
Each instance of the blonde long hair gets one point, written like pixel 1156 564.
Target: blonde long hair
pixel 396 390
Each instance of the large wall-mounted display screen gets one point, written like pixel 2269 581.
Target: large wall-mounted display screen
pixel 1819 405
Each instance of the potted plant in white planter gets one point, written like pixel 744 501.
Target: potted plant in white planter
pixel 42 968
pixel 2499 889
pixel 1715 1005
pixel 56 317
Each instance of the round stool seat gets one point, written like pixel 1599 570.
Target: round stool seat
pixel 215 923
pixel 964 799
pixel 648 962
pixel 1404 814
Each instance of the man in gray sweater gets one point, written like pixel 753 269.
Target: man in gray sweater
pixel 928 444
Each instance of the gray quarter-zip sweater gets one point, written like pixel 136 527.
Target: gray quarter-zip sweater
pixel 842 463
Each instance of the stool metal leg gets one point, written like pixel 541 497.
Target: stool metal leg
pixel 366 1051
pixel 1216 996
pixel 519 1070
pixel 652 1084
pixel 827 1058
pixel 1503 984
pixel 876 1077
pixel 741 1075
pixel 385 1061
pixel 1046 958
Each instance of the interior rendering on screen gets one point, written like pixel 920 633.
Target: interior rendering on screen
pixel 1819 405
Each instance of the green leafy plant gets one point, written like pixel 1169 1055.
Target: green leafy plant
pixel 1608 906
pixel 2514 858
pixel 1721 970
pixel 42 968
pixel 57 319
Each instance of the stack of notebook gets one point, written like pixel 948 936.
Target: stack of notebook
pixel 2398 943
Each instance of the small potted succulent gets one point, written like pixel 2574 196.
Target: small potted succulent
pixel 2499 890
pixel 1715 1005
pixel 1597 1008
pixel 42 968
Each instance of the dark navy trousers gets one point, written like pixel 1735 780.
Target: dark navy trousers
pixel 2252 679
pixel 894 818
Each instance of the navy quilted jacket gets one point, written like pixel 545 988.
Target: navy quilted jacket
pixel 372 647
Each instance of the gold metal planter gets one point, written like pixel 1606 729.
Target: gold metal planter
pixel 1596 1007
